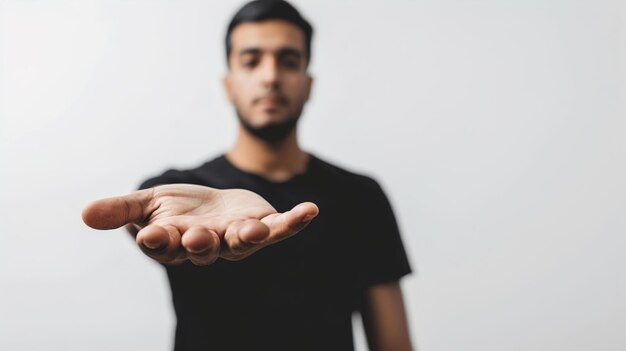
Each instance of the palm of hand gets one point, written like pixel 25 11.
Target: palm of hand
pixel 176 222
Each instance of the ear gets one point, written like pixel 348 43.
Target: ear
pixel 309 84
pixel 228 88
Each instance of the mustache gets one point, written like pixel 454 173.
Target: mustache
pixel 274 95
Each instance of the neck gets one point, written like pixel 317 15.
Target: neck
pixel 275 161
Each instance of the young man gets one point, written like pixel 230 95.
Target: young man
pixel 294 294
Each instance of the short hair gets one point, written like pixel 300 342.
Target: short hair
pixel 262 10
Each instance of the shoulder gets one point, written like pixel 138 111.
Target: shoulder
pixel 199 175
pixel 348 179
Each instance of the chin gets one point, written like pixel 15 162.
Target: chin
pixel 269 127
pixel 268 119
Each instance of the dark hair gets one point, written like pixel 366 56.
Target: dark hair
pixel 261 10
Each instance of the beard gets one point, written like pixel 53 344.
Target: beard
pixel 273 132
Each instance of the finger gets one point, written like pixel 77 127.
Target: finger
pixel 253 232
pixel 132 229
pixel 243 237
pixel 284 225
pixel 202 245
pixel 117 211
pixel 161 242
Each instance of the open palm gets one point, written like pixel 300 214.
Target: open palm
pixel 176 222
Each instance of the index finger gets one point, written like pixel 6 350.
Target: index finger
pixel 114 212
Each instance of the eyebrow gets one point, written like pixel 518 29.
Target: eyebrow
pixel 280 52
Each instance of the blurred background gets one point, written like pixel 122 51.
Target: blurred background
pixel 497 129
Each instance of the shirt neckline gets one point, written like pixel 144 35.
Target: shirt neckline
pixel 259 177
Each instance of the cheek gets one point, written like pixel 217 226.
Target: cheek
pixel 242 91
pixel 297 90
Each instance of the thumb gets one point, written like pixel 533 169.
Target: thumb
pixel 117 211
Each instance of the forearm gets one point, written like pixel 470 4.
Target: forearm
pixel 384 318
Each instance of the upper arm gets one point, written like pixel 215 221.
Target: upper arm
pixel 384 318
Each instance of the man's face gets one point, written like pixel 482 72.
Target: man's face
pixel 268 83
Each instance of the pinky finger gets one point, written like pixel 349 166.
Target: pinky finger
pixel 286 224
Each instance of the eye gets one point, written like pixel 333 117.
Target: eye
pixel 250 63
pixel 249 59
pixel 290 62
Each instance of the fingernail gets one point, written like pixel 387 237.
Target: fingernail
pixel 151 246
pixel 195 251
pixel 307 218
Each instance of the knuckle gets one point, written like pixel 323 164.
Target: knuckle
pixel 240 247
pixel 234 256
pixel 237 249
pixel 203 259
pixel 287 233
pixel 199 261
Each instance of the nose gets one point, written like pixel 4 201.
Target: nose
pixel 270 72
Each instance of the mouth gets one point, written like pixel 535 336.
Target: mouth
pixel 270 101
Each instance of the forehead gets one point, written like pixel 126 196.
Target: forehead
pixel 267 35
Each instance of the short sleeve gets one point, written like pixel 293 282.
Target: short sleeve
pixel 382 255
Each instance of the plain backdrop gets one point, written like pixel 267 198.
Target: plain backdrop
pixel 497 129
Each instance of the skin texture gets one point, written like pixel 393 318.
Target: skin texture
pixel 384 319
pixel 174 223
pixel 268 84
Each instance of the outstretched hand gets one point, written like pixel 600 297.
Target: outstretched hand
pixel 173 223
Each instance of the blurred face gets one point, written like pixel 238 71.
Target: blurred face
pixel 268 83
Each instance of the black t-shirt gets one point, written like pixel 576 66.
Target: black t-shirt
pixel 298 294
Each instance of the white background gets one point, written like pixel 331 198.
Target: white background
pixel 497 129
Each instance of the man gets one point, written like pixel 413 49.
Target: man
pixel 220 229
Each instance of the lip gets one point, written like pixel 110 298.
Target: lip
pixel 268 100
pixel 271 100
